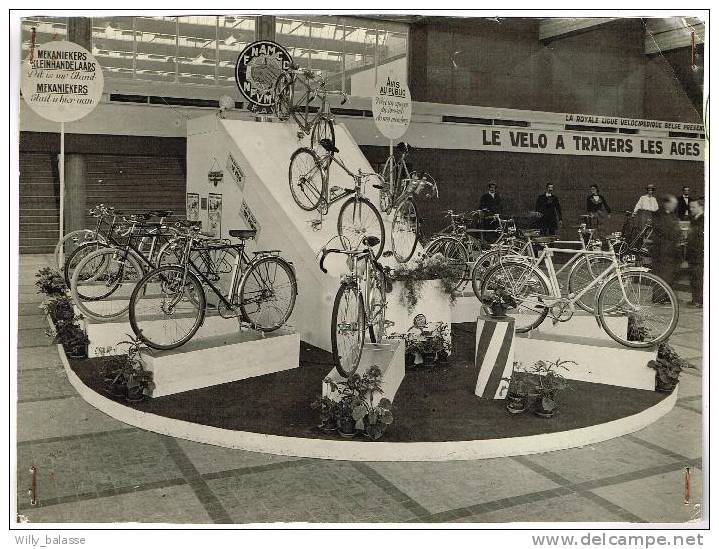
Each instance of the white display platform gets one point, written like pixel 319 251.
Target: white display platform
pixel 388 355
pixel 109 334
pixel 598 360
pixel 206 361
pixel 466 307
pixel 255 158
pixel 582 324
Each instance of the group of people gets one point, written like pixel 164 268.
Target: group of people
pixel 666 236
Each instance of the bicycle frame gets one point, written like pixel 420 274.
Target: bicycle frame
pixel 304 115
pixel 325 164
pixel 401 168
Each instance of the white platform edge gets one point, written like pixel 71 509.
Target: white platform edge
pixel 369 451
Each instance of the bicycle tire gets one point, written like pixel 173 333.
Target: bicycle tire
pixel 451 248
pixel 329 129
pixel 479 270
pixel 604 314
pixel 377 301
pixel 283 95
pixel 254 272
pixel 385 194
pixel 74 259
pixel 120 304
pixel 349 368
pixel 404 222
pixel 575 284
pixel 539 279
pixel 140 292
pixel 80 236
pixel 309 192
pixel 348 208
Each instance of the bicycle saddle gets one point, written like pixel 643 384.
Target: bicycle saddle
pixel 160 213
pixel 328 145
pixel 242 234
pixel 544 239
pixel 370 241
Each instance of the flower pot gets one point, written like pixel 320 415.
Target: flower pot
pixel 498 311
pixel 346 427
pixel 374 431
pixel 542 411
pixel 516 404
pixel 135 394
pixel 118 389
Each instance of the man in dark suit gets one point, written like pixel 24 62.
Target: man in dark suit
pixel 683 205
pixel 666 236
pixel 550 211
pixel 491 201
pixel 695 251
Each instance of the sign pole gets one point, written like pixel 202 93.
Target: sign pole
pixel 391 165
pixel 62 179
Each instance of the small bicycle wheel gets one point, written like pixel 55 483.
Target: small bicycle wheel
pixel 307 178
pixel 167 307
pixel 70 243
pixel 103 282
pixel 359 218
pixel 481 266
pixel 377 307
pixel 348 329
pixel 583 273
pixel 648 303
pixel 74 259
pixel 525 284
pixel 267 293
pixel 283 96
pixel 455 252
pixel 405 231
pixel 323 128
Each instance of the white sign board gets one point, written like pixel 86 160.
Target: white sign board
pixel 61 81
pixel 392 107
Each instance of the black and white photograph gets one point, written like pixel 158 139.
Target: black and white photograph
pixel 349 269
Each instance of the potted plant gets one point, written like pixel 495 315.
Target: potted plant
pixel 668 367
pixel 59 309
pixel 375 419
pixel 346 423
pixel 435 267
pixel 548 384
pixel 328 413
pixel 427 345
pixel 517 390
pixel 498 302
pixel 50 282
pixel 125 375
pixel 71 336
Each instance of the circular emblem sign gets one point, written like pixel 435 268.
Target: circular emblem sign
pixel 392 107
pixel 257 69
pixel 61 81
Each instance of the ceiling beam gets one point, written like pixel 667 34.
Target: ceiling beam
pixel 557 27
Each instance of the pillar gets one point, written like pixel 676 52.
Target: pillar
pixel 265 27
pixel 79 31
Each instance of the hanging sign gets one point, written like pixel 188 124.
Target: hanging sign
pixel 392 107
pixel 257 69
pixel 61 81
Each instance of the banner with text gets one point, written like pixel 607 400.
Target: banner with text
pixel 583 144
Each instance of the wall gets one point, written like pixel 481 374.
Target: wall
pixel 502 63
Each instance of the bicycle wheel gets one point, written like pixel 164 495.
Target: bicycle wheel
pixel 307 178
pixel 359 218
pixel 644 299
pixel 377 307
pixel 70 243
pixel 584 271
pixel 348 327
pixel 525 284
pixel 480 268
pixel 405 231
pixel 323 128
pixel 74 259
pixel 267 293
pixel 165 313
pixel 455 252
pixel 103 282
pixel 388 177
pixel 283 96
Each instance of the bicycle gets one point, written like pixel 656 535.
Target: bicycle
pixel 318 123
pixel 360 305
pixel 621 291
pixel 168 305
pixel 72 240
pixel 309 184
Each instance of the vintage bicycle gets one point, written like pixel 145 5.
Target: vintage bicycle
pixel 309 183
pixel 360 305
pixel 168 305
pixel 621 291
pixel 293 92
pixel 70 242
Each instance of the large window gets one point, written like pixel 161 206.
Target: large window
pixel 349 51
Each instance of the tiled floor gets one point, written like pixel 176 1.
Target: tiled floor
pixel 92 468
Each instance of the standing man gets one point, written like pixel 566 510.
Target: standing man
pixel 666 255
pixel 598 208
pixel 491 201
pixel 683 206
pixel 550 212
pixel 695 251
